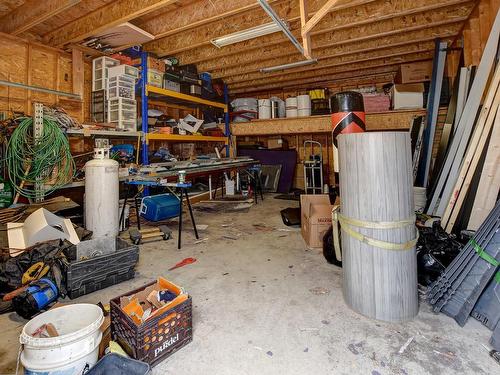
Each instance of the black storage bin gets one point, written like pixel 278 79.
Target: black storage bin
pixel 87 276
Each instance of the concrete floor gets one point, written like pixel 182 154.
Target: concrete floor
pixel 262 304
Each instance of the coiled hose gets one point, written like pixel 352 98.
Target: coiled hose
pixel 45 163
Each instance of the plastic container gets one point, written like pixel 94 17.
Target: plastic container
pixel 115 364
pixel 76 348
pixel 155 78
pixel 291 107
pixel 160 207
pixel 121 87
pixel 123 70
pixel 87 276
pixel 100 68
pixel 264 108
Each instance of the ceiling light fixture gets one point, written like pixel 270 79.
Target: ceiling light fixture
pixel 289 66
pixel 240 36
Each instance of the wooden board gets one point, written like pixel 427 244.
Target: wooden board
pixel 391 120
pixel 34 64
pixel 376 186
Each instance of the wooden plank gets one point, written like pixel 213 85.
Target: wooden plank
pixel 318 16
pixel 350 15
pixel 174 22
pixel 459 143
pixel 489 183
pixel 474 152
pixel 306 37
pixel 376 186
pixel 260 80
pixel 32 13
pixel 390 120
pixel 110 15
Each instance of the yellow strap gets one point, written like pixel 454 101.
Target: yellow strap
pixel 336 239
pixel 347 223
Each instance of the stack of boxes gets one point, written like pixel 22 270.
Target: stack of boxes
pixel 113 93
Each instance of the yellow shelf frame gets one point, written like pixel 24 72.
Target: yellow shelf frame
pixel 185 138
pixel 184 97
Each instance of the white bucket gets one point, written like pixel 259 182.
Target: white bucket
pixel 291 107
pixel 420 196
pixel 73 351
pixel 303 102
pixel 264 109
pixel 306 112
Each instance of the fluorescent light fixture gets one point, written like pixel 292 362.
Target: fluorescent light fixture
pixel 282 24
pixel 297 64
pixel 240 36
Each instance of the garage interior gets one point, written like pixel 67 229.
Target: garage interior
pixel 250 186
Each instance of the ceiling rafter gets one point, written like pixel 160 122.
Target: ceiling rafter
pixel 200 13
pixel 342 20
pixel 326 69
pixel 327 45
pixel 202 35
pixel 108 16
pixel 32 13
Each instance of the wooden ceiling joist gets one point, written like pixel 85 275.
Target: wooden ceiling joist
pixel 366 14
pixel 328 47
pixel 333 69
pixel 32 13
pixel 200 13
pixel 201 36
pixel 369 76
pixel 110 15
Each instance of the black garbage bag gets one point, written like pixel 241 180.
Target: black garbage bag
pixel 49 252
pixel 436 249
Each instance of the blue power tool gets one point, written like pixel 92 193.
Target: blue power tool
pixel 39 295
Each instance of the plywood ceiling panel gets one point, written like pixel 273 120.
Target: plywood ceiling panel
pixel 354 36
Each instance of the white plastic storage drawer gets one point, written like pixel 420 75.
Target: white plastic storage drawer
pixel 123 70
pixel 122 104
pixel 121 87
pixel 116 116
pixel 100 68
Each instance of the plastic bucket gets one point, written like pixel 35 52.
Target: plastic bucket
pixel 76 348
pixel 264 108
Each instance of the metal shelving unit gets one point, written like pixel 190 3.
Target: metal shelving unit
pixel 147 91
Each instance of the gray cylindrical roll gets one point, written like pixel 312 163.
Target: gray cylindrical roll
pixel 376 186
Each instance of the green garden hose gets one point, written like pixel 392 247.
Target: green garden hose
pixel 45 162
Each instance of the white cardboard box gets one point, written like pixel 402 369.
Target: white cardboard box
pixel 407 96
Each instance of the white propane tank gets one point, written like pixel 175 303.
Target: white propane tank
pixel 102 195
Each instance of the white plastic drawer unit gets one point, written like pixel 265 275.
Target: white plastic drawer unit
pixel 100 67
pixel 122 110
pixel 121 87
pixel 123 70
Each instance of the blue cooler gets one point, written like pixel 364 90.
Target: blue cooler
pixel 160 207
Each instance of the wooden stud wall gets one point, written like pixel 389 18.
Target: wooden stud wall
pixel 477 29
pixel 37 65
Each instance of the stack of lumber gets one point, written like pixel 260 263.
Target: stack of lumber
pixel 477 134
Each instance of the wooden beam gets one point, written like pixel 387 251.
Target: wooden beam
pixel 110 15
pixel 306 37
pixel 382 74
pixel 323 124
pixel 201 36
pixel 389 16
pixel 352 67
pixel 318 16
pixel 32 13
pixel 200 13
pixel 77 70
pixel 324 66
pixel 247 63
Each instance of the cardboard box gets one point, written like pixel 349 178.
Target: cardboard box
pixel 316 218
pixel 277 143
pixel 407 96
pixel 153 63
pixel 415 72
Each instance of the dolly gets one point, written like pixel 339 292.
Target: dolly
pixel 136 236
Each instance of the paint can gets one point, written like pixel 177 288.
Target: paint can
pixel 264 109
pixel 291 107
pixel 303 105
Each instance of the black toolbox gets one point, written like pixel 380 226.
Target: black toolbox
pixel 86 276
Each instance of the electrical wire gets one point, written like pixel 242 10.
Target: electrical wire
pixel 38 167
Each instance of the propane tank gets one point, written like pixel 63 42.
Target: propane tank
pixel 102 193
